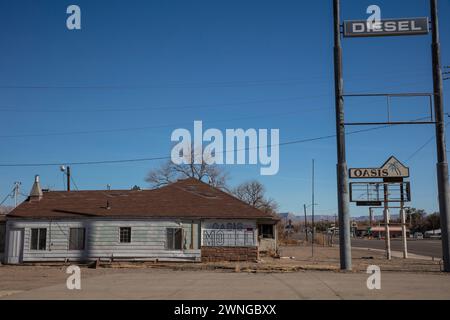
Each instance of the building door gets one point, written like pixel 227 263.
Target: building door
pixel 14 249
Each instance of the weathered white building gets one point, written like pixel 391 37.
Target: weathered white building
pixel 185 221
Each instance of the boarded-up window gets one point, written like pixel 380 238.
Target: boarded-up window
pixel 76 238
pixel 38 239
pixel 266 231
pixel 125 234
pixel 174 239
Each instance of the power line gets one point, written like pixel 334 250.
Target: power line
pixel 68 133
pixel 48 164
pixel 192 106
pixel 415 153
pixel 10 194
pixel 99 131
pixel 73 181
pixel 6 198
pixel 168 158
pixel 182 85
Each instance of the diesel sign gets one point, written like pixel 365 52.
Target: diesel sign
pixel 389 27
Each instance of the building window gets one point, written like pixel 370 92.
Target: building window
pixel 174 238
pixel 266 231
pixel 125 234
pixel 76 238
pixel 38 239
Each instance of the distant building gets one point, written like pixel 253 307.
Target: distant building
pixel 433 233
pixel 184 221
pixel 394 231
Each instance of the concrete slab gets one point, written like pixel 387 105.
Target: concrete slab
pixel 165 284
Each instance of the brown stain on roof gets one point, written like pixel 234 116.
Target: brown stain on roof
pixel 189 198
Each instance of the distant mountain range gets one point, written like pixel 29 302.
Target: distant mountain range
pixel 318 217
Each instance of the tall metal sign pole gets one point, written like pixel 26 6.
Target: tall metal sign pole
pixel 387 231
pixel 313 228
pixel 342 174
pixel 442 165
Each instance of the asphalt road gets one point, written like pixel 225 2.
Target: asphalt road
pixel 429 248
pixel 425 247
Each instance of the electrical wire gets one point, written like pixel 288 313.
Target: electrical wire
pixel 100 131
pixel 10 194
pixel 69 133
pixel 193 106
pixel 415 153
pixel 206 84
pixel 300 141
pixel 6 198
pixel 73 181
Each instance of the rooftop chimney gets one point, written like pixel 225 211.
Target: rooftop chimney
pixel 36 191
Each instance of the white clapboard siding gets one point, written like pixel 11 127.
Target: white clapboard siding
pixel 148 240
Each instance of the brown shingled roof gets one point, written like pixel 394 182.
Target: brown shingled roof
pixel 188 198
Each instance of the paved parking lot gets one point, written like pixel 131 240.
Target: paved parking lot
pixel 50 283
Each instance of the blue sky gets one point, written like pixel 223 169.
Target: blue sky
pixel 146 68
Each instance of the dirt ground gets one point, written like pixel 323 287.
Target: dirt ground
pixel 328 258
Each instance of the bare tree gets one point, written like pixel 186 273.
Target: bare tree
pixel 170 172
pixel 5 209
pixel 253 193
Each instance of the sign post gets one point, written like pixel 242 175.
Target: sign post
pixel 403 221
pixel 391 27
pixel 345 248
pixel 392 172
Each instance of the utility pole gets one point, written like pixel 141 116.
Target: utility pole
pixel 342 172
pixel 442 165
pixel 306 222
pixel 68 178
pixel 313 227
pixel 16 192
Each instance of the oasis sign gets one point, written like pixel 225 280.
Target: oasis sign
pixel 392 168
pixel 386 27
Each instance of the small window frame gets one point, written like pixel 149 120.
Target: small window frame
pixel 171 239
pixel 122 238
pixel 41 244
pixel 73 246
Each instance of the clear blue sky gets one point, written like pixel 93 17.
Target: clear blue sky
pixel 154 66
